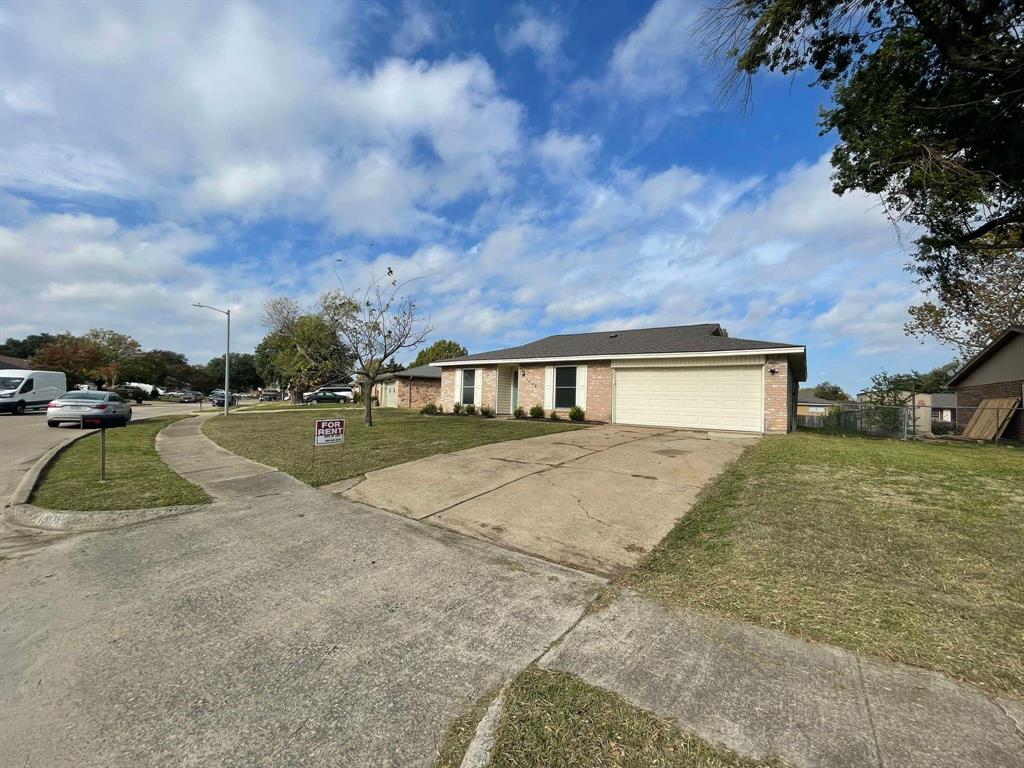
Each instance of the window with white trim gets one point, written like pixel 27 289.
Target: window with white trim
pixel 468 385
pixel 565 386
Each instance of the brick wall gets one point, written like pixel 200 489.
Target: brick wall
pixel 488 385
pixel 968 399
pixel 599 389
pixel 447 397
pixel 415 393
pixel 777 396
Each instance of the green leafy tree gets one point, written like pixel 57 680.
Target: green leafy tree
pixel 967 313
pixel 442 349
pixel 244 375
pixel 26 347
pixel 927 99
pixel 117 347
pixel 302 349
pixel 829 391
pixel 78 358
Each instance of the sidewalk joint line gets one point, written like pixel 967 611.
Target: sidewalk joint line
pixel 867 708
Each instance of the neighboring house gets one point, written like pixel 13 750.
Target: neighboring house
pixel 944 407
pixel 14 363
pixel 411 388
pixel 689 376
pixel 996 371
pixel 809 404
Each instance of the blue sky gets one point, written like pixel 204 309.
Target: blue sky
pixel 541 168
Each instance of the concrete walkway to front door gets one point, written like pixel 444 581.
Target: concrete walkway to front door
pixel 596 499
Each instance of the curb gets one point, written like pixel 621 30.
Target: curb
pixel 29 516
pixel 478 753
pixel 23 492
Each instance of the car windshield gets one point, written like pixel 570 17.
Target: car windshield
pixel 10 382
pixel 84 395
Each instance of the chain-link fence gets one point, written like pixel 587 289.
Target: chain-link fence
pixel 907 422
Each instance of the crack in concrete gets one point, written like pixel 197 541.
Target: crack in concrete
pixel 580 504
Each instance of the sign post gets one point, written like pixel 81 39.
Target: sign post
pixel 329 432
pixel 103 454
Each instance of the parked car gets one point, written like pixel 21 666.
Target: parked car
pixel 88 408
pixel 329 395
pixel 269 395
pixel 130 393
pixel 21 390
pixel 189 396
pixel 217 398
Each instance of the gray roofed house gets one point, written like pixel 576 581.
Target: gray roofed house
pixel 685 376
pixel 409 388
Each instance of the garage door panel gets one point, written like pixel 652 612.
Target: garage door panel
pixel 727 397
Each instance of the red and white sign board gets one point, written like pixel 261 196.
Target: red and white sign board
pixel 329 432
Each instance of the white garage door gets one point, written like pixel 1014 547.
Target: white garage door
pixel 727 397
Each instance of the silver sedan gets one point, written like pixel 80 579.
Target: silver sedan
pixel 88 408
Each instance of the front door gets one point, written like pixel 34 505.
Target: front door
pixel 515 389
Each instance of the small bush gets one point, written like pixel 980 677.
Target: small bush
pixel 469 408
pixel 486 412
pixel 942 427
pixel 554 416
pixel 457 408
pixel 576 413
pixel 440 408
pixel 519 413
pixel 536 412
pixel 429 409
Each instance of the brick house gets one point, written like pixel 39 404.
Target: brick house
pixel 996 371
pixel 411 388
pixel 690 376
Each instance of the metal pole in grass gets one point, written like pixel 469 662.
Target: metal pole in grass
pixel 103 454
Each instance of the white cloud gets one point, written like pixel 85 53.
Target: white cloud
pixel 661 56
pixel 565 154
pixel 240 109
pixel 421 26
pixel 541 36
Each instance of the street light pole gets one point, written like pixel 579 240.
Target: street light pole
pixel 227 354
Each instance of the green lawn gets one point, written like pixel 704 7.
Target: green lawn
pixel 555 720
pixel 276 405
pixel 285 440
pixel 909 551
pixel 136 476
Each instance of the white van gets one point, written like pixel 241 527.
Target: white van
pixel 20 390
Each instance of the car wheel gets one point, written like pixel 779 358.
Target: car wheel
pixel 19 409
pixel 54 424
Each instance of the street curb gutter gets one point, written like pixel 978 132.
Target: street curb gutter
pixel 29 516
pixel 23 492
pixel 478 753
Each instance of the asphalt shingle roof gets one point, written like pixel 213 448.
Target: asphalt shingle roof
pixel 642 341
pixel 420 372
pixel 807 397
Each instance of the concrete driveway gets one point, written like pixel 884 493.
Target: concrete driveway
pixel 596 499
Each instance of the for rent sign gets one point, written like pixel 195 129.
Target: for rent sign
pixel 329 432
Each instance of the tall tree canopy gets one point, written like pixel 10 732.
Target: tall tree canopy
pixel 77 357
pixel 927 100
pixel 302 349
pixel 829 391
pixel 968 313
pixel 26 347
pixel 442 349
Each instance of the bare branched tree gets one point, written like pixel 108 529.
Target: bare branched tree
pixel 375 324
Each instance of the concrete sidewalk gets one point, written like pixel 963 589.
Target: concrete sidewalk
pixel 222 474
pixel 765 693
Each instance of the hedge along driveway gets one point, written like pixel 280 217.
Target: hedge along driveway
pixel 285 440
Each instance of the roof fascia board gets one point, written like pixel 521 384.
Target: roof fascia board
pixel 644 356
